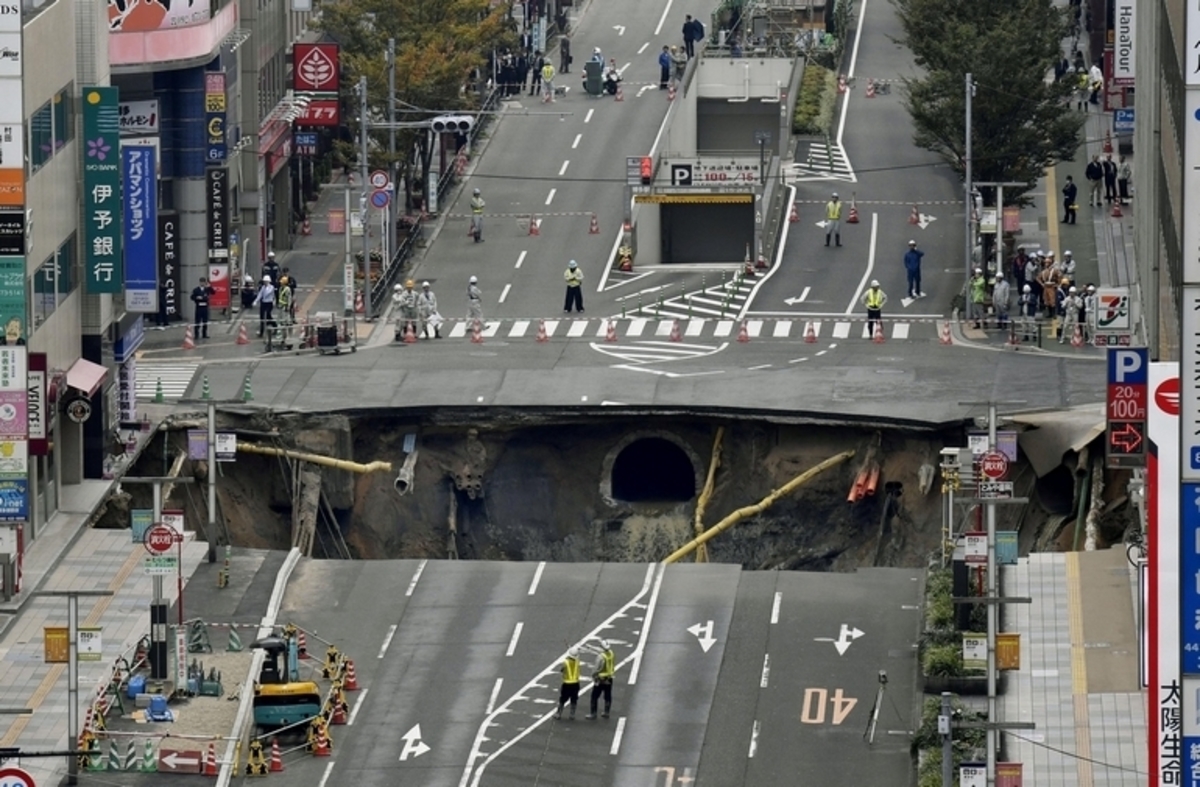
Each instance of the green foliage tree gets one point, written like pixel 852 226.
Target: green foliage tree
pixel 439 45
pixel 1021 122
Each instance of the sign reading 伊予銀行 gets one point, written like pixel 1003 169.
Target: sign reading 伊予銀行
pixel 102 246
pixel 141 229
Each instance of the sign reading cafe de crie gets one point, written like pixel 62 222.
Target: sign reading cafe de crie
pixel 103 270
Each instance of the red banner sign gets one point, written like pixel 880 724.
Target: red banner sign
pixel 315 68
pixel 320 112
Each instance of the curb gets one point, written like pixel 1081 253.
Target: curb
pixel 961 341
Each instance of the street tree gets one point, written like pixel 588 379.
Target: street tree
pixel 442 49
pixel 1022 122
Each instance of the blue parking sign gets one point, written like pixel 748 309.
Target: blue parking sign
pixel 1123 121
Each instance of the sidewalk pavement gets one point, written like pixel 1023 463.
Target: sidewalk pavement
pixel 1078 680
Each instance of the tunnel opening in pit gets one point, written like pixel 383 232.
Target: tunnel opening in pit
pixel 653 470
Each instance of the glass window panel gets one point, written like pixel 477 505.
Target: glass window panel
pixel 40 144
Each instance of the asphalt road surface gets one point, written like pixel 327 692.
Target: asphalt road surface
pixel 724 677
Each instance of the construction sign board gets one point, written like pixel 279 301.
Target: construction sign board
pixel 1008 651
pixel 176 761
pixel 56 645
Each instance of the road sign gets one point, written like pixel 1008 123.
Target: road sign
pixel 173 518
pixel 175 761
pixel 379 179
pixel 974 775
pixel 1125 407
pixel 15 777
pixel 996 490
pixel 993 465
pixel 1123 121
pixel 161 564
pixel 975 548
pixel 159 539
pixel 974 651
pixel 380 198
pixel 88 645
pixel 56 645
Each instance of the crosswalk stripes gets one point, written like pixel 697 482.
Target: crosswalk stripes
pixel 718 301
pixel 176 379
pixel 651 331
pixel 823 161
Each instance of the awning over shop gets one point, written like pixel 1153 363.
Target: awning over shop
pixel 86 377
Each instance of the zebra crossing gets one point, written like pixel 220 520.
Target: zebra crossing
pixel 720 301
pixel 660 330
pixel 823 161
pixel 176 379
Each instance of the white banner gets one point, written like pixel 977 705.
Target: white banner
pixel 1162 496
pixel 1123 42
pixel 139 118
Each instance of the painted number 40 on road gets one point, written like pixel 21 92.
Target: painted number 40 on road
pixel 820 705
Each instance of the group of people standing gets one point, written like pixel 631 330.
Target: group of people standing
pixel 1047 290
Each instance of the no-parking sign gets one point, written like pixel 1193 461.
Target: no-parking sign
pixel 15 777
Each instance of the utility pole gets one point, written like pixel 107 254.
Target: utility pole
pixel 392 173
pixel 969 193
pixel 210 532
pixel 364 175
pixel 947 733
pixel 1000 186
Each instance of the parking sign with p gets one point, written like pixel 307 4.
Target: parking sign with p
pixel 1125 406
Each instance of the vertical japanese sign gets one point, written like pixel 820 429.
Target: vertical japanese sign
pixel 141 229
pixel 1125 407
pixel 14 442
pixel 37 414
pixel 217 192
pixel 1164 698
pixel 168 264
pixel 214 116
pixel 12 132
pixel 102 191
pixel 12 299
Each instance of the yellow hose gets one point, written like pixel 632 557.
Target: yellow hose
pixel 758 507
pixel 316 459
pixel 706 493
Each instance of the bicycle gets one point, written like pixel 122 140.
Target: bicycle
pixel 1135 540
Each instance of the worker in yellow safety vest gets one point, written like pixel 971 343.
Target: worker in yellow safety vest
pixel 833 219
pixel 606 667
pixel 874 299
pixel 570 683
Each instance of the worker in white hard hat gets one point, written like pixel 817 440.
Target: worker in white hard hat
pixel 977 298
pixel 912 267
pixel 477 206
pixel 271 268
pixel 833 219
pixel 409 317
pixel 265 301
pixel 428 310
pixel 1072 306
pixel 474 301
pixel 574 278
pixel 874 299
pixel 606 668
pixel 569 692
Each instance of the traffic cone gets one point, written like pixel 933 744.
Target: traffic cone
pixel 870 88
pixel 743 333
pixel 676 335
pixel 671 93
pixel 301 644
pixel 188 344
pixel 1077 337
pixel 620 93
pixel 243 337
pixel 878 337
pixel 594 227
pixel 306 227
pixel 810 333
pixel 853 217
pixel 210 760
pixel 359 308
pixel 542 338
pixel 276 757
pixel 477 333
pixel 1116 211
pixel 351 682
pixel 795 215
pixel 247 394
pixel 534 229
pixel 747 265
pixel 841 83
pixel 761 263
pixel 915 216
pixel 321 746
pixel 410 335
pixel 158 391
pixel 611 335
pixel 944 337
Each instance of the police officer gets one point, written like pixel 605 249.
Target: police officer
pixel 569 692
pixel 477 206
pixel 606 667
pixel 833 219
pixel 200 296
pixel 574 279
pixel 271 268
pixel 874 299
pixel 265 300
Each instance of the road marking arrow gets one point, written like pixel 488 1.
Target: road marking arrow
pixel 620 29
pixel 706 641
pixel 643 89
pixel 413 746
pixel 924 220
pixel 846 636
pixel 803 297
pixel 174 760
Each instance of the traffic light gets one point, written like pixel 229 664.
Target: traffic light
pixel 452 124
pixel 647 170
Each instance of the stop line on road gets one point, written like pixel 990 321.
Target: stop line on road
pixel 699 327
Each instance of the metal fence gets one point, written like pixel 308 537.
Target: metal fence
pixel 382 290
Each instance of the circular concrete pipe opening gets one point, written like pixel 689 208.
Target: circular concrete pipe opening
pixel 653 470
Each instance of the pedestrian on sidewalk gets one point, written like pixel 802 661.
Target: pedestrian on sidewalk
pixel 693 31
pixel 1000 294
pixel 874 299
pixel 574 279
pixel 427 309
pixel 833 219
pixel 477 206
pixel 1110 178
pixel 1032 269
pixel 602 679
pixel 1095 177
pixel 1096 79
pixel 523 64
pixel 1124 178
pixel 1082 85
pixel 679 61
pixel 1067 267
pixel 912 267
pixel 201 294
pixel 265 301
pixel 474 300
pixel 569 691
pixel 547 81
pixel 410 314
pixel 1070 206
pixel 271 267
pixel 977 300
pixel 535 73
pixel 564 55
pixel 664 67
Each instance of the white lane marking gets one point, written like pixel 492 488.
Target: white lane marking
pixel 643 89
pixel 643 49
pixel 325 776
pixel 663 20
pixel 637 653
pixel 900 330
pixel 575 144
pixel 504 292
pixel 563 169
pixel 724 328
pixel 413 585
pixel 521 259
pixel 550 196
pixel 588 117
pixel 778 264
pixel 492 699
pixel 537 577
pixel 519 328
pixel 512 643
pixel 822 352
pixel 766 671
pixel 616 744
pixel 577 329
pixel 753 740
pixel 804 295
pixel 782 329
pixel 551 327
pixel 357 704
pixel 695 327
pixel 387 641
pixel 621 70
pixel 775 607
pixel 870 265
pixel 759 367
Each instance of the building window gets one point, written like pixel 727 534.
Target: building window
pixel 51 128
pixel 53 281
pixel 64 117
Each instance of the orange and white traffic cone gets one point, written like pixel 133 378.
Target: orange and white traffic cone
pixel 594 227
pixel 795 215
pixel 671 93
pixel 870 88
pixel 1116 211
pixel 542 336
pixel 210 760
pixel 410 334
pixel 620 93
pixel 301 644
pixel 351 681
pixel 359 307
pixel 676 334
pixel 944 337
pixel 610 336
pixel 810 333
pixel 915 216
pixel 878 336
pixel 748 264
pixel 276 757
pixel 743 333
pixel 1077 337
pixel 853 217
pixel 841 83
pixel 243 337
pixel 477 332
pixel 306 227
pixel 188 344
pixel 321 747
pixel 534 225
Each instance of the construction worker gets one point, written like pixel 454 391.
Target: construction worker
pixel 977 302
pixel 283 299
pixel 548 81
pixel 1029 306
pixel 406 299
pixel 1000 295
pixel 574 279
pixel 474 300
pixel 477 206
pixel 833 219
pixel 1091 303
pixel 606 667
pixel 428 311
pixel 912 267
pixel 874 299
pixel 570 683
pixel 1072 306
pixel 265 301
pixel 271 267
